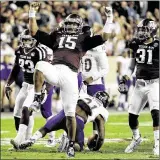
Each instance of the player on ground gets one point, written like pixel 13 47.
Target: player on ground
pixel 146 51
pixel 88 109
pixel 69 45
pixel 27 55
pixel 94 66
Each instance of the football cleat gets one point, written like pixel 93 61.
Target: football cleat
pixel 70 152
pixel 133 145
pixel 156 150
pixel 51 143
pixel 15 144
pixel 27 143
pixel 63 144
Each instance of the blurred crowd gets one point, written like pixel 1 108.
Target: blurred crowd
pixel 14 19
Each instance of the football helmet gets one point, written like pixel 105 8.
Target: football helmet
pixel 26 40
pixel 73 24
pixel 146 29
pixel 103 97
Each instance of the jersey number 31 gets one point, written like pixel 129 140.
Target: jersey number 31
pixel 142 56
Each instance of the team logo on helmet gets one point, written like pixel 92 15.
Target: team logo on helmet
pixel 146 29
pixel 73 24
pixel 27 41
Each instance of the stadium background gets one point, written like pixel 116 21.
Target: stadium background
pixel 14 19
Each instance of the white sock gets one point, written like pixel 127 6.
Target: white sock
pixel 21 133
pixel 156 137
pixel 30 127
pixel 136 133
pixel 65 133
pixel 51 135
pixel 37 136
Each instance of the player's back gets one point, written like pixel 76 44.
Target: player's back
pixel 93 62
pixel 95 106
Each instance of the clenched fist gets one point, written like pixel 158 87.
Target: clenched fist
pixel 109 14
pixel 34 6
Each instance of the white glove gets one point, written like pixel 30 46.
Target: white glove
pixel 109 14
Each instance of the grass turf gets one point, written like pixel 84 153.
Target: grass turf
pixel 116 128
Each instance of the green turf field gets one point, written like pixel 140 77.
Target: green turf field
pixel 118 137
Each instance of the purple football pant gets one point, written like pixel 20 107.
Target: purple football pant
pixel 46 108
pixel 58 122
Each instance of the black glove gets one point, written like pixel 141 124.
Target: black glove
pixel 8 91
pixel 123 88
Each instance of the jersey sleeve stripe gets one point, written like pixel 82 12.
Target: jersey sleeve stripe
pixel 40 53
pixel 45 52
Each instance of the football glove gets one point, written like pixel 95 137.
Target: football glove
pixel 35 106
pixel 123 88
pixel 109 14
pixel 8 91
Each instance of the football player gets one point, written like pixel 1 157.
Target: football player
pixel 27 55
pixel 146 55
pixel 69 45
pixel 88 109
pixel 94 66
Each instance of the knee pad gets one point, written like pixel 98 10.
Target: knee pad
pixel 155 117
pixel 133 121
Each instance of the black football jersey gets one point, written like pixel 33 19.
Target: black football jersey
pixel 68 49
pixel 27 61
pixel 147 59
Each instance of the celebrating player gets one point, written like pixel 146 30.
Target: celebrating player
pixel 146 54
pixel 27 55
pixel 88 109
pixel 69 45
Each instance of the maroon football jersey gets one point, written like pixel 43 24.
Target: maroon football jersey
pixel 68 49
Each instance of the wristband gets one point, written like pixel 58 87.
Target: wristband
pixel 32 13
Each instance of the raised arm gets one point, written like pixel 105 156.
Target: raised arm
pixel 40 36
pixel 92 42
pixel 33 27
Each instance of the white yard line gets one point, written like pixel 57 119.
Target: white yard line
pixel 6 141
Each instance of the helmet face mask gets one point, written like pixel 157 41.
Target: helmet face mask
pixel 73 24
pixel 27 42
pixel 146 29
pixel 143 33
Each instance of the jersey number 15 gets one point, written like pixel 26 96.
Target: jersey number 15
pixel 67 42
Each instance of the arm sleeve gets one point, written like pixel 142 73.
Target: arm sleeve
pixel 102 62
pixel 45 38
pixel 92 42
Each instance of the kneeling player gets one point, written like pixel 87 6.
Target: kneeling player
pixel 88 109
